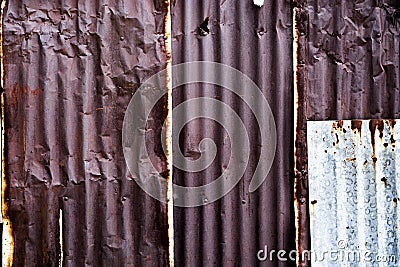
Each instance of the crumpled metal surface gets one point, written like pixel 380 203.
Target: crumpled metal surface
pixel 353 62
pixel 71 68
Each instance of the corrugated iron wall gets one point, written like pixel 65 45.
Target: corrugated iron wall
pixel 258 42
pixel 348 68
pixel 71 68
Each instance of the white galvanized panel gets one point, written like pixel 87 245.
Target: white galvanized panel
pixel 354 186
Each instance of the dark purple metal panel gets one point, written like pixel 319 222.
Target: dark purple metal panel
pixel 353 60
pixel 348 68
pixel 258 42
pixel 70 70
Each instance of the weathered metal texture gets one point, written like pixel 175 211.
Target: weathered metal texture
pixel 348 55
pixel 353 59
pixel 354 191
pixel 258 42
pixel 70 70
pixel 300 142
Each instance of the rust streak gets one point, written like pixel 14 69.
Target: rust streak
pixel 375 125
pixel 356 125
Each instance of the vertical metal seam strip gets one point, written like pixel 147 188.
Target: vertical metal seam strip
pixel 60 220
pixel 7 238
pixel 300 134
pixel 2 106
pixel 170 206
pixel 295 102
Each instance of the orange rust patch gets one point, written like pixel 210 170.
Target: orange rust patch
pixel 35 92
pixel 16 92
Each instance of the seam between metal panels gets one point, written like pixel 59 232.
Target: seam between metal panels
pixel 295 102
pixel 300 133
pixel 61 255
pixel 7 238
pixel 170 204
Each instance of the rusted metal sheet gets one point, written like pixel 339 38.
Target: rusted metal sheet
pixel 70 69
pixel 353 177
pixel 348 68
pixel 258 42
pixel 353 60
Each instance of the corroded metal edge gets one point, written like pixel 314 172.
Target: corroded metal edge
pixel 300 123
pixel 170 204
pixel 7 237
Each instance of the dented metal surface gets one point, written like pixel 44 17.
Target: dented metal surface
pixel 354 190
pixel 70 69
